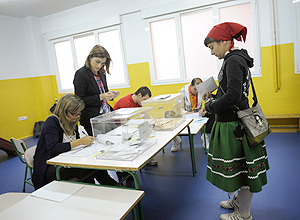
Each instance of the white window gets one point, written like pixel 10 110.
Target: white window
pixel 164 47
pixel 83 45
pixel 111 40
pixel 198 62
pixel 71 53
pixel 65 66
pixel 177 41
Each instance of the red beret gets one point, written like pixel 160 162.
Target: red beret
pixel 227 31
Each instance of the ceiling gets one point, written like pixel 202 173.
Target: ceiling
pixel 37 8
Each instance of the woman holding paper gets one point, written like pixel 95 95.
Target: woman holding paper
pixel 59 135
pixel 232 164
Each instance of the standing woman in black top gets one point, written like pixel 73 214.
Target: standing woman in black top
pixel 232 164
pixel 90 84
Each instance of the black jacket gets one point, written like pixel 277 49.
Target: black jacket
pixel 50 144
pixel 234 79
pixel 87 89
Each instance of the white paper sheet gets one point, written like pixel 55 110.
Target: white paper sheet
pixel 126 111
pixel 193 116
pixel 80 152
pixel 108 139
pixel 161 97
pixel 207 85
pixel 203 120
pixel 57 192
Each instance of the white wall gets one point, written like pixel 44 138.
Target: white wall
pixel 95 11
pixel 285 22
pixel 24 46
pixel 14 59
pixel 134 37
pixel 37 50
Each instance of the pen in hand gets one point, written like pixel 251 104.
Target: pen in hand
pixel 87 137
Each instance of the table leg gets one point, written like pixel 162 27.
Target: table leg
pixel 134 213
pixel 192 150
pixel 57 172
pixel 137 186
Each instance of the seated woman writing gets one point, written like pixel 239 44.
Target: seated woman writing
pixel 60 134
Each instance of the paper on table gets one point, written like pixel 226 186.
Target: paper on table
pixel 57 192
pixel 108 139
pixel 80 151
pixel 162 97
pixel 207 85
pixel 193 115
pixel 126 111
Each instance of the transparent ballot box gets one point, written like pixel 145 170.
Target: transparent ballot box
pixel 168 110
pixel 123 134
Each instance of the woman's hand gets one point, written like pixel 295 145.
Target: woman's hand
pixel 202 112
pixel 206 95
pixel 88 140
pixel 115 93
pixel 109 95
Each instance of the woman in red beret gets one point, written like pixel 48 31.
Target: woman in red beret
pixel 232 164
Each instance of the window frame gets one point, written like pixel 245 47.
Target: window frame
pixel 154 81
pixel 176 13
pixel 76 66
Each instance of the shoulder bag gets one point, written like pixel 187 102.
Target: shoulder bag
pixel 254 121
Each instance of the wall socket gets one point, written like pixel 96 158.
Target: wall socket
pixel 22 118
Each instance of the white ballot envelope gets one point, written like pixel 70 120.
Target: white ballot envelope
pixel 207 85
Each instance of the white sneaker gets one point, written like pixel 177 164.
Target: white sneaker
pixel 236 215
pixel 176 143
pixel 177 140
pixel 174 147
pixel 230 204
pixel 152 162
pixel 207 140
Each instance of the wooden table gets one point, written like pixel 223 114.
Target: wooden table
pixel 163 138
pixel 89 202
pixel 195 127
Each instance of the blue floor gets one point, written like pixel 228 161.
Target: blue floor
pixel 172 193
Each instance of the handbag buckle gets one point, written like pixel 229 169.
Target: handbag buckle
pixel 259 121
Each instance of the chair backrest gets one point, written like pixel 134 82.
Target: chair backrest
pixel 20 147
pixel 29 153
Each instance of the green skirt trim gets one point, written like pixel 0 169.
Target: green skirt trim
pixel 233 163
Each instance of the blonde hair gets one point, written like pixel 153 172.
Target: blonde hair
pixel 68 103
pixel 101 52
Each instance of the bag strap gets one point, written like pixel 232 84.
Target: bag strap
pixel 254 93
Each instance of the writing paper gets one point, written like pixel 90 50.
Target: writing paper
pixel 207 85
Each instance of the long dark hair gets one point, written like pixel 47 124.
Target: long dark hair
pixel 101 52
